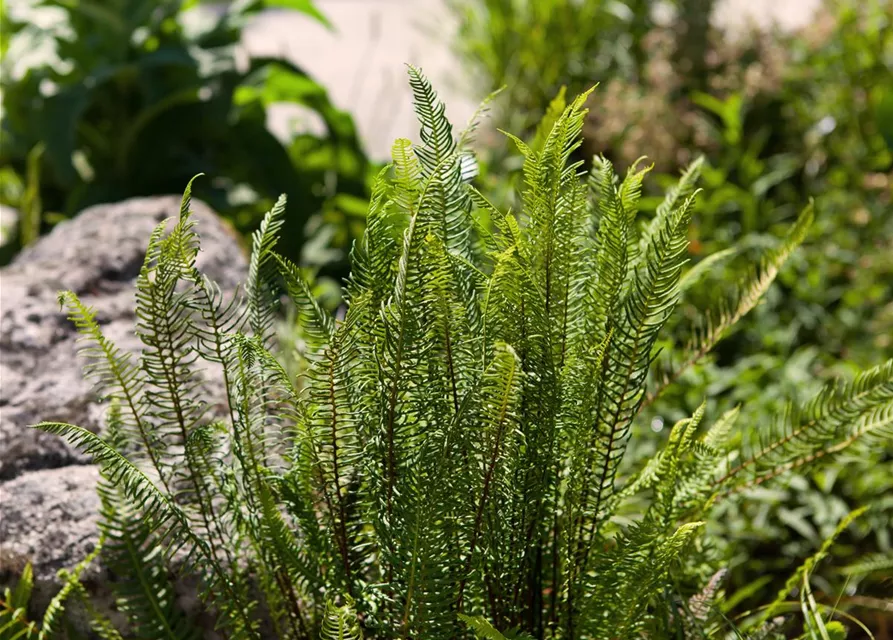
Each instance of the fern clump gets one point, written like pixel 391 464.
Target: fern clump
pixel 451 461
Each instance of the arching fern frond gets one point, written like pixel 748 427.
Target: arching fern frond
pixel 836 418
pixel 716 322
pixel 163 516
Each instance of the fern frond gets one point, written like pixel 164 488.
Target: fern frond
pixel 466 138
pixel 373 256
pixel 637 569
pixel 163 516
pixel 717 322
pixel 553 113
pixel 52 617
pixel 612 246
pixel 836 418
pixel 646 307
pixel 340 622
pixel 316 325
pixel 263 300
pixel 116 375
pixel 440 160
pixel 144 592
pixel 674 196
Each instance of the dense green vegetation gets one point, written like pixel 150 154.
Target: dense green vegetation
pixel 454 460
pixel 106 100
pixel 779 117
pixel 103 101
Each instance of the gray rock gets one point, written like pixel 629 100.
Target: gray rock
pixel 48 504
pixel 97 255
pixel 49 518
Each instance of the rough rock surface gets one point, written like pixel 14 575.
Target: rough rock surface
pixel 48 504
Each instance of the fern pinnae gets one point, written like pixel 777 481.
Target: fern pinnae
pixel 309 434
pixel 683 188
pixel 260 287
pixel 52 616
pixel 645 310
pixel 115 372
pixel 145 597
pixel 501 392
pixel 826 418
pixel 157 506
pixel 612 257
pixel 334 426
pixel 716 323
pixel 371 255
pixel 439 157
pixel 172 346
pixel 397 325
pixel 316 324
pixel 340 622
pixel 879 419
pixel 397 307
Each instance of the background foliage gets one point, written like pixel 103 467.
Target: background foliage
pixel 103 101
pixel 780 117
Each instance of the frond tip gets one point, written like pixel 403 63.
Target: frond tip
pixel 340 622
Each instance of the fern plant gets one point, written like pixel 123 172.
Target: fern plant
pixel 450 462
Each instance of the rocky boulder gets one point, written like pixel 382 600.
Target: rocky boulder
pixel 48 504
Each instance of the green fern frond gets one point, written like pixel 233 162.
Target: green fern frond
pixel 163 516
pixel 316 325
pixel 340 622
pixel 553 112
pixel 260 286
pixel 873 563
pixel 440 159
pixel 676 194
pixel 53 615
pixel 836 418
pixel 716 322
pixel 130 549
pixel 648 304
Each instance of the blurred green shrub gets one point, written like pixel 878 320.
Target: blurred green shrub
pixel 132 98
pixel 533 47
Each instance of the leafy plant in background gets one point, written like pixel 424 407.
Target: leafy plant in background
pixel 131 98
pixel 810 125
pixel 453 461
pixel 533 47
pixel 779 118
